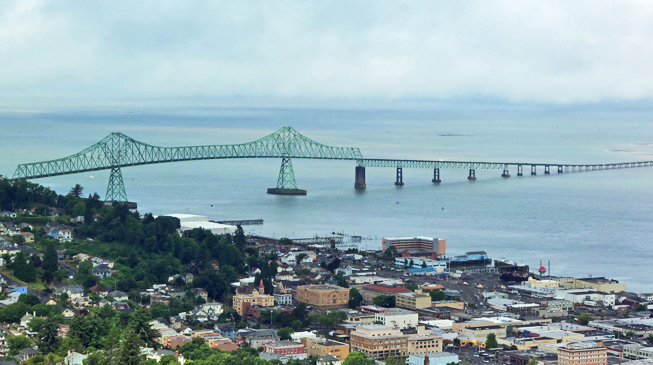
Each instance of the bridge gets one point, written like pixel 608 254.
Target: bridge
pixel 117 151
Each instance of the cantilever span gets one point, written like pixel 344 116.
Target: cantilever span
pixel 117 150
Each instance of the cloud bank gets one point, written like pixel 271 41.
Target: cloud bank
pixel 520 51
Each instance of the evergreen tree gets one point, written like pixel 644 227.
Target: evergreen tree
pixel 23 270
pixel 142 329
pixel 76 191
pixel 48 340
pixel 50 259
pixel 130 352
pixel 491 341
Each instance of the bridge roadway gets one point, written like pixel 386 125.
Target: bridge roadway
pixel 477 165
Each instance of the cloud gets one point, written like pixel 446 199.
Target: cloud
pixel 527 51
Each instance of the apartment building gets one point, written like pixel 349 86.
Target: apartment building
pixel 582 353
pixel 424 342
pixel 397 318
pixel 323 296
pixel 416 243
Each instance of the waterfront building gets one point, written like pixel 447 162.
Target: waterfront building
pixel 419 262
pixel 416 244
pixel 242 302
pixel 582 353
pixel 323 296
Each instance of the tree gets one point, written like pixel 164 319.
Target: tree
pixel 50 259
pixel 300 312
pixel 284 333
pixel 48 340
pixel 391 252
pixel 342 282
pixel 130 353
pixel 491 341
pixel 392 360
pixel 405 263
pixel 412 263
pixel 456 342
pixel 142 329
pixel 640 308
pixel 29 299
pixel 357 358
pixel 387 301
pixel 23 270
pixel 584 319
pixel 76 191
pixel 437 295
pixel 532 361
pixel 299 258
pixel 16 343
pixel 423 264
pixel 355 298
pixel 333 265
pixel 650 338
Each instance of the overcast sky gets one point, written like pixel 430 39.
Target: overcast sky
pixel 519 51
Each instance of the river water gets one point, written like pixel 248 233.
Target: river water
pixel 591 223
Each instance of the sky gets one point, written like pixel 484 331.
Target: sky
pixel 559 52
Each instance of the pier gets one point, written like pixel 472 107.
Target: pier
pixel 246 222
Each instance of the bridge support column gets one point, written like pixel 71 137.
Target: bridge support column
pixel 533 170
pixel 400 177
pixel 472 175
pixel 436 176
pixel 547 171
pixel 360 178
pixel 560 169
pixel 116 189
pixel 506 173
pixel 286 184
pixel 520 170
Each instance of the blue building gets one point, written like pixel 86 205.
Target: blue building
pixel 17 288
pixel 470 258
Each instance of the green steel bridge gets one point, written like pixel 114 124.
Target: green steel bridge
pixel 117 150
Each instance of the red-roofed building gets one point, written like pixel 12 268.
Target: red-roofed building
pixel 369 292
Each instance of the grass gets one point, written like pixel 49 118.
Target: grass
pixel 38 285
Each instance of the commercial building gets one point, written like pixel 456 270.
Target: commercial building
pixel 323 296
pixel 600 284
pixel 369 292
pixel 379 342
pixel 321 347
pixel 189 222
pixel 423 342
pixel 433 358
pixel 470 258
pixel 582 354
pixel 416 244
pixel 581 296
pixel 360 317
pixel 420 262
pixel 287 348
pixel 398 318
pixel 637 351
pixel 413 300
pixel 242 302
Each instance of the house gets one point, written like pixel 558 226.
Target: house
pixel 8 215
pixel 102 271
pixel 212 308
pixel 118 296
pixel 291 257
pixel 75 292
pixel 284 275
pixel 24 320
pixel 69 313
pixel 13 297
pixel 48 301
pixel 27 353
pixel 200 293
pixel 17 288
pixel 283 299
pixel 27 237
pixel 227 330
pixel 99 290
pixel 10 227
pixel 328 360
pixel 188 277
pixel 74 358
pixel 61 234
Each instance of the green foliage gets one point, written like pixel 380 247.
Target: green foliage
pixel 48 340
pixel 20 194
pixel 392 360
pixel 130 353
pixel 491 341
pixel 640 308
pixel 50 258
pixel 76 191
pixel 23 269
pixel 387 301
pixel 532 361
pixel 355 298
pixel 141 327
pixel 391 252
pixel 13 312
pixel 584 319
pixel 29 299
pixel 357 358
pixel 342 282
pixel 16 343
pixel 299 258
pixel 333 265
pixel 437 295
pixel 284 333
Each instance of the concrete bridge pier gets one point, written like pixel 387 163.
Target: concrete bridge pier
pixel 360 178
pixel 560 169
pixel 547 171
pixel 436 176
pixel 506 173
pixel 472 175
pixel 533 170
pixel 520 170
pixel 400 177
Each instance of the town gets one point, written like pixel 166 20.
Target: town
pixel 89 282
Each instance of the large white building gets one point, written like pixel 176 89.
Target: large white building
pixel 191 221
pixel 398 318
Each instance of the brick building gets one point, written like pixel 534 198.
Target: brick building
pixel 242 302
pixel 583 353
pixel 287 348
pixel 323 296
